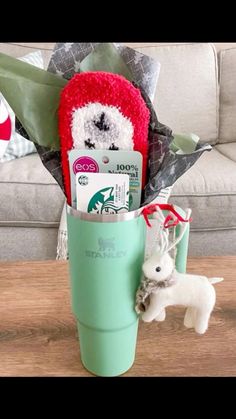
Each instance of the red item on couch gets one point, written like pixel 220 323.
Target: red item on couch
pixel 5 128
pixel 102 110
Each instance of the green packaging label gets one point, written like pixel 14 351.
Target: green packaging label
pixel 108 161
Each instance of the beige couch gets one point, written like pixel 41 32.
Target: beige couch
pixel 196 93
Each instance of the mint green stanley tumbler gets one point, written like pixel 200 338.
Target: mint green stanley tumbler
pixel 106 253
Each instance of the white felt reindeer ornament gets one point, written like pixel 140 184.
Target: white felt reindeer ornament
pixel 163 286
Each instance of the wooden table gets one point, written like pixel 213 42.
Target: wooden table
pixel 38 333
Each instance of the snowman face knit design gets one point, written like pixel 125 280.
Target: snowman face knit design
pixel 97 126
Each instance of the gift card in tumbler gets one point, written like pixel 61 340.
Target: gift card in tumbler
pixel 102 193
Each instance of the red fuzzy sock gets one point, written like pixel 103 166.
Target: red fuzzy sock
pixel 102 110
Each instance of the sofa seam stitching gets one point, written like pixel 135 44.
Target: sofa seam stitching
pixel 204 195
pixel 222 53
pixel 217 92
pixel 192 230
pixel 25 46
pixel 28 183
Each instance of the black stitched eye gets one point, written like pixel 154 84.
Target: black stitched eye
pixel 158 269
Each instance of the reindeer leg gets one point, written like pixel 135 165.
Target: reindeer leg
pixel 189 318
pixel 161 316
pixel 154 309
pixel 201 321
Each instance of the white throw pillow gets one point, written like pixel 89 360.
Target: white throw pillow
pixel 19 146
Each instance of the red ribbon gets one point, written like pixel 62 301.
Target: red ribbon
pixel 164 207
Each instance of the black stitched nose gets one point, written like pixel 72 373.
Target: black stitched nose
pixel 113 147
pixel 101 123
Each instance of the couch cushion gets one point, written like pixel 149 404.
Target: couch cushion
pixel 23 243
pixel 227 132
pixel 228 150
pixel 212 243
pixel 29 194
pixel 187 91
pixel 209 188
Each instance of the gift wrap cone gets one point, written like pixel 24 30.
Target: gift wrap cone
pixel 106 254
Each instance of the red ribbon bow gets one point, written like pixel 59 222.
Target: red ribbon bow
pixel 175 216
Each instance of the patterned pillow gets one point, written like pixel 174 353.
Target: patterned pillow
pixel 18 145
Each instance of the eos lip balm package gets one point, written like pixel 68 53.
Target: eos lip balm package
pixel 106 161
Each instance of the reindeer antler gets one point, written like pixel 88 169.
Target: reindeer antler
pixel 156 210
pixel 163 232
pixel 183 227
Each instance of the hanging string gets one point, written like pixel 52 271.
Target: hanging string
pixel 165 223
pixel 174 241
